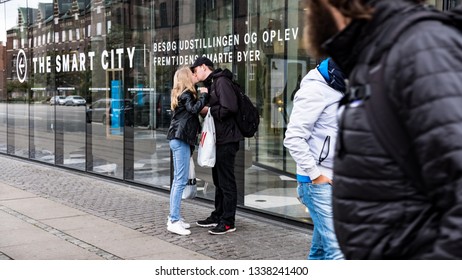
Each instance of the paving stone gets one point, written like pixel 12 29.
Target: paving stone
pixel 146 211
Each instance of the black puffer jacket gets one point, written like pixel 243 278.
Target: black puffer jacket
pixel 378 212
pixel 223 106
pixel 185 120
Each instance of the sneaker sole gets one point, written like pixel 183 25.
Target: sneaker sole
pixel 179 233
pixel 207 225
pixel 224 232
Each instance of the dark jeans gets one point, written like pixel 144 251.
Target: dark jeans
pixel 225 183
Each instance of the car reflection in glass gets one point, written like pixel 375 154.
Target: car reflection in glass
pixel 163 111
pixel 58 100
pixel 144 112
pixel 103 110
pixel 74 100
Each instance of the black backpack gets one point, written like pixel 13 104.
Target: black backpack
pixel 384 121
pixel 247 117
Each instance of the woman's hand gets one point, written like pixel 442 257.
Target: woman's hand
pixel 322 180
pixel 203 90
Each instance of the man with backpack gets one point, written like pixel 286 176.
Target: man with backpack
pixel 223 105
pixel 310 139
pixel 404 200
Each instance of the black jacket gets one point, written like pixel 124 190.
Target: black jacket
pixel 378 212
pixel 185 120
pixel 223 106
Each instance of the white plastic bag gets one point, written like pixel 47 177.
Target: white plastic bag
pixel 206 152
pixel 190 190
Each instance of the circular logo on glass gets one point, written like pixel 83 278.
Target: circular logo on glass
pixel 21 66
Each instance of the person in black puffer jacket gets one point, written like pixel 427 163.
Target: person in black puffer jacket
pixel 182 134
pixel 379 212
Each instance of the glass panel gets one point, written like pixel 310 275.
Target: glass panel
pixel 106 110
pixel 453 3
pixel 42 87
pixel 3 80
pixel 437 3
pixel 70 79
pixel 272 77
pixel 215 31
pixel 18 75
pixel 149 92
pixel 444 4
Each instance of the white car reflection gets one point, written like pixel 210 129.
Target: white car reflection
pixel 74 100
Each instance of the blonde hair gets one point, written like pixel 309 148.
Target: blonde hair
pixel 182 80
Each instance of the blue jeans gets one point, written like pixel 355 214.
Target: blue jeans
pixel 318 200
pixel 181 153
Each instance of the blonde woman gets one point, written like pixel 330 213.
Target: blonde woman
pixel 186 106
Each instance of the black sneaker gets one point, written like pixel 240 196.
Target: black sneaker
pixel 222 228
pixel 209 222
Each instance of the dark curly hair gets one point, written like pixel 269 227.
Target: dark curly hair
pixel 358 9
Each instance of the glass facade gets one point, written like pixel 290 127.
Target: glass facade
pixel 85 84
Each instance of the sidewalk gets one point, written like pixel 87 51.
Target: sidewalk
pixel 51 213
pixel 37 228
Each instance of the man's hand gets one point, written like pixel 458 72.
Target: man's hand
pixel 204 111
pixel 322 180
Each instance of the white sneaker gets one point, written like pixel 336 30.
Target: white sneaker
pixel 178 228
pixel 183 223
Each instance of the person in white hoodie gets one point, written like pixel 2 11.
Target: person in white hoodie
pixel 310 139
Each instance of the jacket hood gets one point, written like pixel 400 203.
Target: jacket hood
pixel 216 74
pixel 332 74
pixel 222 73
pixel 313 75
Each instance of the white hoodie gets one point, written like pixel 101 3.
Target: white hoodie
pixel 312 129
